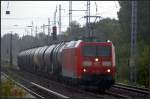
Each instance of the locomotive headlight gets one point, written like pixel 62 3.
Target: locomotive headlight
pixel 96 59
pixel 87 63
pixel 84 70
pixel 108 70
pixel 106 63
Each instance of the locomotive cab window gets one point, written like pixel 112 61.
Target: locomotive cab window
pixel 89 50
pixel 104 51
pixel 96 50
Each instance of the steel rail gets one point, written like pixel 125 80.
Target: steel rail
pixel 131 88
pixel 22 86
pixel 42 90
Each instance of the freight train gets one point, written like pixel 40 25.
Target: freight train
pixel 79 62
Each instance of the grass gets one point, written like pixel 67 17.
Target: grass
pixel 8 88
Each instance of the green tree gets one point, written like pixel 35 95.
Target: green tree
pixel 143 35
pixel 74 31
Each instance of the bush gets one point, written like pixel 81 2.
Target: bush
pixel 10 89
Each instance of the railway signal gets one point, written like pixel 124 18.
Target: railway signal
pixel 7 11
pixel 54 34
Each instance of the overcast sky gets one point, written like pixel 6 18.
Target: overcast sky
pixel 22 13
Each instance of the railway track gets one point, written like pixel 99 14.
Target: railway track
pixel 22 86
pixel 132 88
pixel 37 90
pixel 117 91
pixel 129 91
pixel 66 90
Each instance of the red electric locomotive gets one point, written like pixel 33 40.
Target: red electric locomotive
pixel 86 63
pixel 92 63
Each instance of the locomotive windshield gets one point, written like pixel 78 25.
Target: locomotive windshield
pixel 96 50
